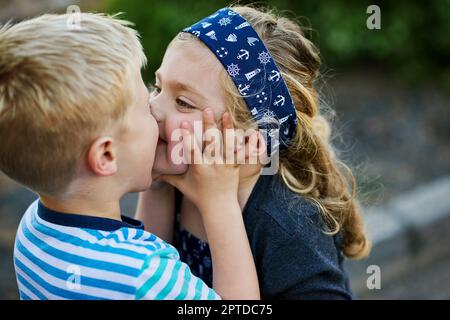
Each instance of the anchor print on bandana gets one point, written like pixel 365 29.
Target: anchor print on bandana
pixel 274 76
pixel 243 89
pixel 243 54
pixel 280 101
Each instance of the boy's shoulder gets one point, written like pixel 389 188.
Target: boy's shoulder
pixel 126 237
pixel 108 263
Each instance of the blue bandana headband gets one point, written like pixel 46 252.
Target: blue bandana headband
pixel 253 70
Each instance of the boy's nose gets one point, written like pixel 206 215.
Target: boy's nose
pixel 156 111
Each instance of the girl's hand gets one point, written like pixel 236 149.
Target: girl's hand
pixel 210 180
pixel 211 183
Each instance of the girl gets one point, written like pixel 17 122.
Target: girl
pixel 302 219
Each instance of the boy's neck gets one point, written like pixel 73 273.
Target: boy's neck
pixel 85 205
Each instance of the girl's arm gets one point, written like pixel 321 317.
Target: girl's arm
pixel 234 271
pixel 156 209
pixel 213 189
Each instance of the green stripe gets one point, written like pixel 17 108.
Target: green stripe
pixel 142 291
pixel 198 289
pixel 212 295
pixel 184 289
pixel 169 286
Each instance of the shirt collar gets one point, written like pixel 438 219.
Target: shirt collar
pixel 87 222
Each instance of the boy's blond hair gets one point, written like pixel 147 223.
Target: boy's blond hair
pixel 59 88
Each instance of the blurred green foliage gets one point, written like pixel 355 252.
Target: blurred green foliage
pixel 413 42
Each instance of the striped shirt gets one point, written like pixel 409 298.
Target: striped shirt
pixel 68 256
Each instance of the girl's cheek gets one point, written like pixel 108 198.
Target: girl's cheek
pixel 174 123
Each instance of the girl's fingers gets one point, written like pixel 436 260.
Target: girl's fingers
pixel 251 148
pixel 210 133
pixel 228 136
pixel 173 180
pixel 192 152
pixel 208 119
pixel 209 125
pixel 227 121
pixel 261 148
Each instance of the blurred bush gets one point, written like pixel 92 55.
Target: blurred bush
pixel 413 43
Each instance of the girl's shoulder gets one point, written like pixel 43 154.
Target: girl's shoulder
pixel 296 258
pixel 272 200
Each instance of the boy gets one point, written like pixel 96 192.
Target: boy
pixel 75 127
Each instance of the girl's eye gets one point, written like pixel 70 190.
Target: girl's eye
pixel 184 104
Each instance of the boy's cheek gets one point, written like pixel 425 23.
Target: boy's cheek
pixel 163 163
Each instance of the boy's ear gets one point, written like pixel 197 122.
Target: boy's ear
pixel 101 157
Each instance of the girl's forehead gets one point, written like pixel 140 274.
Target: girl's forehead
pixel 189 61
pixel 196 53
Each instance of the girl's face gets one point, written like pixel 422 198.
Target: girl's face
pixel 187 82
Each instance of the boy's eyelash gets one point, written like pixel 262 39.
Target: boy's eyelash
pixel 154 87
